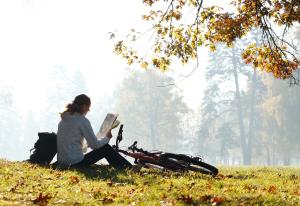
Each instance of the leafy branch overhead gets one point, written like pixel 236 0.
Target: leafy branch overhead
pixel 181 26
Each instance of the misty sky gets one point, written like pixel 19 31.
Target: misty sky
pixel 37 35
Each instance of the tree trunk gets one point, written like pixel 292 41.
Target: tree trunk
pixel 268 156
pixel 153 123
pixel 246 157
pixel 152 135
pixel 252 115
pixel 286 159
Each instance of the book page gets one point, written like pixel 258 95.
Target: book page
pixel 109 122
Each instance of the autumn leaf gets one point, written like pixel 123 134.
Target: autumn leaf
pixel 144 65
pixel 217 200
pixel 205 198
pixel 110 183
pixel 74 179
pixel 42 200
pixel 177 39
pixel 272 189
pixel 220 176
pixel 107 200
pixel 14 188
pixel 296 193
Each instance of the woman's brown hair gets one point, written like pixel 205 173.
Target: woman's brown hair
pixel 77 104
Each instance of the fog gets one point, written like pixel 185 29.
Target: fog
pixel 53 51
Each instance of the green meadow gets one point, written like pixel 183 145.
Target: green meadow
pixel 26 184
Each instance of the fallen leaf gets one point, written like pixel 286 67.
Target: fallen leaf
pixel 220 176
pixel 74 179
pixel 107 200
pixel 293 177
pixel 217 200
pixel 205 197
pixel 296 193
pixel 171 186
pixel 209 185
pixel 42 200
pixel 164 196
pixel 272 189
pixel 110 183
pixel 192 185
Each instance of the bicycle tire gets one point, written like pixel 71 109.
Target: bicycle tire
pixel 164 164
pixel 192 163
pixel 148 164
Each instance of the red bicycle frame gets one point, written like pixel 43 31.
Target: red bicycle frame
pixel 145 157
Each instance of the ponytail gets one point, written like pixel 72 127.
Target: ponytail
pixel 77 104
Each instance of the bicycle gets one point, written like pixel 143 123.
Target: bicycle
pixel 168 161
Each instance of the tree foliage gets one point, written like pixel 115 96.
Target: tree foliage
pixel 151 114
pixel 186 25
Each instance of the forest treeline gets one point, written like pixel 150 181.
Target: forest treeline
pixel 257 123
pixel 246 116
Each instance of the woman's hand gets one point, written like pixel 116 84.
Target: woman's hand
pixel 108 134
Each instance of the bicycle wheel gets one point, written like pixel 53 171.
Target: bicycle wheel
pixel 148 164
pixel 166 164
pixel 192 164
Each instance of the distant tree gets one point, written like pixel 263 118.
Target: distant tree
pixel 63 86
pixel 217 105
pixel 151 114
pixel 281 118
pixel 276 134
pixel 210 110
pixel 10 124
pixel 226 70
pixel 227 138
pixel 189 125
pixel 30 132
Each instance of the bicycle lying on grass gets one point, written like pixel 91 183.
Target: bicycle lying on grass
pixel 169 161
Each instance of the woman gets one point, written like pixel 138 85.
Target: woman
pixel 73 128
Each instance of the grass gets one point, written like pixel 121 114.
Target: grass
pixel 26 184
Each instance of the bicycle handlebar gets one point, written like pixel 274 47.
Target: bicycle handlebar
pixel 133 147
pixel 120 136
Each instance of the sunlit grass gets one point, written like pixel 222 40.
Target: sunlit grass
pixel 26 184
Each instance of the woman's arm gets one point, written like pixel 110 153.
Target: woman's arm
pixel 88 133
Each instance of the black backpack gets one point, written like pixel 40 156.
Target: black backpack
pixel 44 149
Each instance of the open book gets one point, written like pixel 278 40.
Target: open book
pixel 110 122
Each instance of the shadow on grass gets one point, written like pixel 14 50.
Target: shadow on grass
pixel 127 176
pixel 101 172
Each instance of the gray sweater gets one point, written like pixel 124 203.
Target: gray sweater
pixel 72 129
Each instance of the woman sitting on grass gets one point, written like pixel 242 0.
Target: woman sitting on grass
pixel 73 128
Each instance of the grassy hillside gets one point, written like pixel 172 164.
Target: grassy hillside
pixel 26 184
